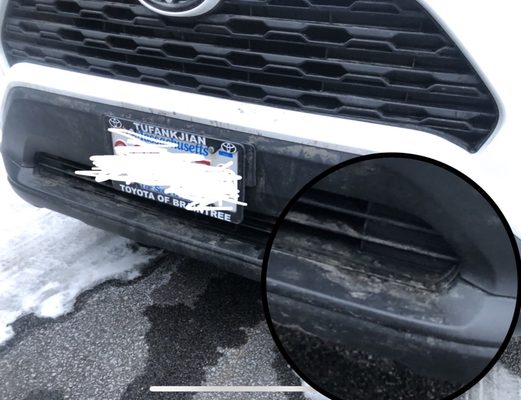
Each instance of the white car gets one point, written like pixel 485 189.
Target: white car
pixel 281 89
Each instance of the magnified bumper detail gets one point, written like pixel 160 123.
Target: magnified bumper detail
pixel 400 259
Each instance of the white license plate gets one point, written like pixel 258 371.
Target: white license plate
pixel 215 152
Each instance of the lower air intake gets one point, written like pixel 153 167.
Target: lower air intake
pixel 357 235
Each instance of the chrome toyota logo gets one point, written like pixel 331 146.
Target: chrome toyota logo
pixel 180 8
pixel 115 123
pixel 229 148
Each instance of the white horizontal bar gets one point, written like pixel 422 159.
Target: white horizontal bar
pixel 239 389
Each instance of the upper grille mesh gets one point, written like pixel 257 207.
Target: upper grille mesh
pixel 385 61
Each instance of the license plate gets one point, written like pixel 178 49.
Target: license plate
pixel 215 152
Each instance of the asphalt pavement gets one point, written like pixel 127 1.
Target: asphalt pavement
pixel 180 323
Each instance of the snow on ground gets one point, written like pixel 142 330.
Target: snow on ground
pixel 498 384
pixel 47 259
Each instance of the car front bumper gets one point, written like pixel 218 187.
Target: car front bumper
pixel 494 167
pixel 64 125
pixel 47 136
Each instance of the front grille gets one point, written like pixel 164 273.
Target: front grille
pixel 355 235
pixel 384 61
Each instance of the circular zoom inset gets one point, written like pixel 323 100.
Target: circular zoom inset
pixel 391 277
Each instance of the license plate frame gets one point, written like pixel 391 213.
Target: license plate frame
pixel 215 150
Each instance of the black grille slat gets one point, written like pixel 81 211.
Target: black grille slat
pixel 332 211
pixel 383 61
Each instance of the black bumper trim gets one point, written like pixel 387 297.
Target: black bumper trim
pixel 116 213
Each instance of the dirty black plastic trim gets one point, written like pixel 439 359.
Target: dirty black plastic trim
pixel 48 136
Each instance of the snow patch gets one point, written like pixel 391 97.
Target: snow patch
pixel 47 259
pixel 499 383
